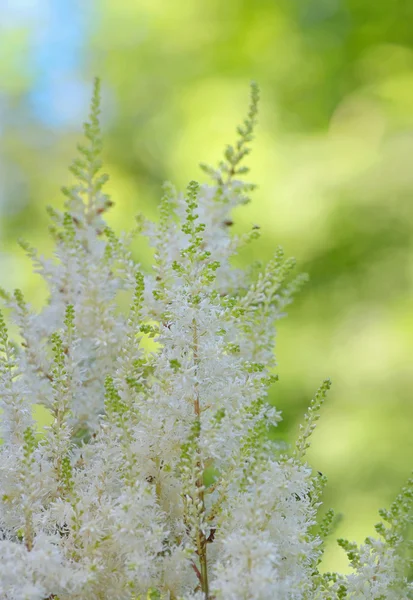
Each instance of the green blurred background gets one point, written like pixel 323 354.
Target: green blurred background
pixel 332 157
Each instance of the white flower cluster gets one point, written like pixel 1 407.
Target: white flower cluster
pixel 156 478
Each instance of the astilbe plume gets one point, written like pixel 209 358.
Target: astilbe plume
pixel 156 478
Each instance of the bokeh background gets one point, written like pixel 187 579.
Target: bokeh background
pixel 333 158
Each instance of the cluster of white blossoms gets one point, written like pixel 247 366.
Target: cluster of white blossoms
pixel 156 478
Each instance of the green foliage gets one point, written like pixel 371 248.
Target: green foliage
pixel 29 446
pixel 400 512
pixel 86 194
pixel 228 169
pixel 114 406
pixel 311 418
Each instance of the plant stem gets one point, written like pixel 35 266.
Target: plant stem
pixel 201 539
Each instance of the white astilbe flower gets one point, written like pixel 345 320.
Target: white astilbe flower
pixel 38 574
pixel 265 540
pixel 377 573
pixel 156 478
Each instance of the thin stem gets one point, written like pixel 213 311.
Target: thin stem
pixel 201 539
